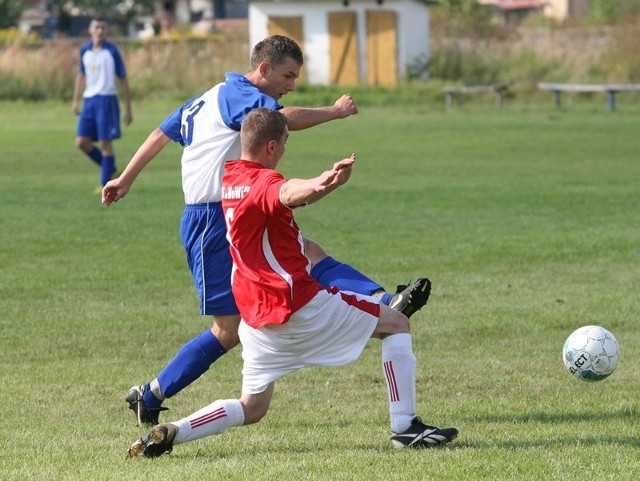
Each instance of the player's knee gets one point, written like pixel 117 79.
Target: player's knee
pixel 225 328
pixel 83 144
pixel 391 322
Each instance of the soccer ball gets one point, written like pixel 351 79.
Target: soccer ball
pixel 591 353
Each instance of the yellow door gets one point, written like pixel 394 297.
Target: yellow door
pixel 343 48
pixel 382 48
pixel 289 27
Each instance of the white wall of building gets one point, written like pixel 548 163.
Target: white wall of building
pixel 412 28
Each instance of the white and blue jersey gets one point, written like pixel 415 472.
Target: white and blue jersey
pixel 100 116
pixel 208 127
pixel 101 68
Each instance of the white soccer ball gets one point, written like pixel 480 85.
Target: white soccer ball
pixel 591 353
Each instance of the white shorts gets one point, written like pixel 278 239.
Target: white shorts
pixel 330 330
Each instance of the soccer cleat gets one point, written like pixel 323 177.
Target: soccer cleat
pixel 155 443
pixel 144 415
pixel 410 299
pixel 419 435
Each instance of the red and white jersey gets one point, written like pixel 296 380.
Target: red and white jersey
pixel 270 277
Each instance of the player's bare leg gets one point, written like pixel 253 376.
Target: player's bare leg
pixel 225 328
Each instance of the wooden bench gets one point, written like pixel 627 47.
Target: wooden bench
pixel 498 89
pixel 610 89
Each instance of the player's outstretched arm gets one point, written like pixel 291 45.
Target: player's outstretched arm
pixel 116 189
pixel 297 192
pixel 300 118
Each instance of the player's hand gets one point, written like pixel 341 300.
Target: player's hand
pixel 75 110
pixel 128 118
pixel 113 191
pixel 343 169
pixel 345 106
pixel 339 174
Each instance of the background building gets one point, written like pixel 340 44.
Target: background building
pixel 348 42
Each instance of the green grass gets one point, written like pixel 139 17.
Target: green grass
pixel 526 219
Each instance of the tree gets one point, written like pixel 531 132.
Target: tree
pixel 107 7
pixel 10 12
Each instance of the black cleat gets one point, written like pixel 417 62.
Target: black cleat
pixel 410 299
pixel 419 435
pixel 144 415
pixel 157 442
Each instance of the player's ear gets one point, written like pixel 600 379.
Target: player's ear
pixel 263 68
pixel 271 146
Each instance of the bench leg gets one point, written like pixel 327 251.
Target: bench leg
pixel 556 97
pixel 611 99
pixel 448 100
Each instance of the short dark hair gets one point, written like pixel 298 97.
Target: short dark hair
pixel 261 126
pixel 275 50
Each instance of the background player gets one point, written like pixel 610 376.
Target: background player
pixel 100 65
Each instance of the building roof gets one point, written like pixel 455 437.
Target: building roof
pixel 509 5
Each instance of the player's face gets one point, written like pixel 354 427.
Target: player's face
pixel 281 80
pixel 98 31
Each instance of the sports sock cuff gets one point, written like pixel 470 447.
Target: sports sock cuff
pixel 95 155
pixel 395 341
pixel 235 412
pixel 320 268
pixel 386 298
pixel 210 346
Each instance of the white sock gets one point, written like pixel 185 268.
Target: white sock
pixel 216 418
pixel 399 368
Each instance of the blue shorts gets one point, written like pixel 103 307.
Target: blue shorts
pixel 100 118
pixel 203 232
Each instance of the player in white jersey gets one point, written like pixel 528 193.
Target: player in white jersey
pixel 100 65
pixel 289 321
pixel 208 127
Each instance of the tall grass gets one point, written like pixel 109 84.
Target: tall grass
pixel 181 66
pixel 185 66
pixel 524 218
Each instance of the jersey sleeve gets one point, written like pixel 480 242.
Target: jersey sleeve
pixel 238 97
pixel 268 192
pixel 172 125
pixel 121 71
pixel 83 49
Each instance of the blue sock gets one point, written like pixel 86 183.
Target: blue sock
pixel 108 168
pixel 95 155
pixel 193 360
pixel 329 272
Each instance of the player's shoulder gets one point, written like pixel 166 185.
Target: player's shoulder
pixel 110 47
pixel 86 46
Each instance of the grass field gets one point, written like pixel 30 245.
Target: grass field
pixel 526 220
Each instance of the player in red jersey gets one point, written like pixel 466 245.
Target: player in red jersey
pixel 289 321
